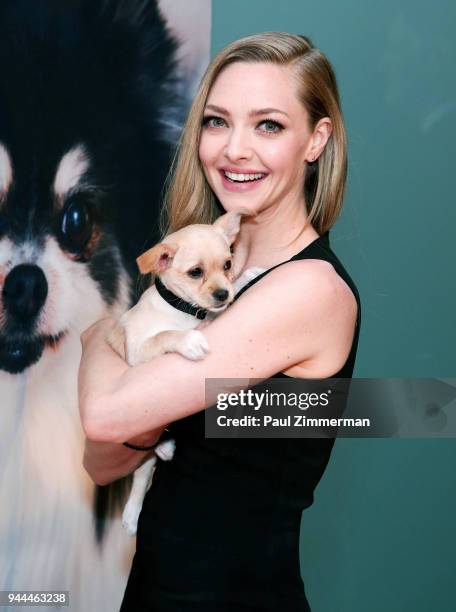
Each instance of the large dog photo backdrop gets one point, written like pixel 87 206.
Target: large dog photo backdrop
pixel 92 98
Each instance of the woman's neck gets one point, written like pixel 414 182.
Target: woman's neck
pixel 271 237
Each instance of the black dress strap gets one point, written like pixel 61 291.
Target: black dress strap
pixel 322 240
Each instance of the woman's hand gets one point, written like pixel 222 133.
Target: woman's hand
pixel 97 332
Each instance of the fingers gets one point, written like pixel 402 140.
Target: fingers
pixel 101 325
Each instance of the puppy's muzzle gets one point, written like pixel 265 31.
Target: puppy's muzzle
pixel 220 295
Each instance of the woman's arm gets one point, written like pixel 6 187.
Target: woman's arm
pixel 106 462
pixel 300 312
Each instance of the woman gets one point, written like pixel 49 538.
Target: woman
pixel 219 529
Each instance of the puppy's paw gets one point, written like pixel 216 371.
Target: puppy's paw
pixel 247 276
pixel 165 450
pixel 253 272
pixel 133 359
pixel 193 345
pixel 130 517
pixel 116 339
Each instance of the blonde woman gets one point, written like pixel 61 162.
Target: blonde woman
pixel 219 528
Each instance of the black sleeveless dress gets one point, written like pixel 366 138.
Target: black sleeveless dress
pixel 219 528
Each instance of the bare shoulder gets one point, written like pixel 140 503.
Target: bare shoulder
pixel 310 283
pixel 328 286
pixel 315 310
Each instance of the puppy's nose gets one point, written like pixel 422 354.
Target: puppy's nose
pixel 221 295
pixel 25 291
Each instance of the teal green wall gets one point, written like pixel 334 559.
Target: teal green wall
pixel 381 535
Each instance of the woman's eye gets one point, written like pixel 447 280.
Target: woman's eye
pixel 195 272
pixel 227 265
pixel 76 226
pixel 214 122
pixel 272 127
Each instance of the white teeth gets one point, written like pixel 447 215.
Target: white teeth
pixel 243 177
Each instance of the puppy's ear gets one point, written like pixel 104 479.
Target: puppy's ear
pixel 229 224
pixel 157 259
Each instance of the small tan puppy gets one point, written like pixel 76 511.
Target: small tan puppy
pixel 193 281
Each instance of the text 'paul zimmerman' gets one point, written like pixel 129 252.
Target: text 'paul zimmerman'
pixel 303 401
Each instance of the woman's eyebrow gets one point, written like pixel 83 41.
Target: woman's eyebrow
pixel 266 111
pixel 252 113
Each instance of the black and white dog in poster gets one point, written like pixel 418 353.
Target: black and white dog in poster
pixel 88 113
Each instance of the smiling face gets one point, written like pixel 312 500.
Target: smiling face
pixel 255 137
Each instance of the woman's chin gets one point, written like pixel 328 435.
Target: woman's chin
pixel 230 204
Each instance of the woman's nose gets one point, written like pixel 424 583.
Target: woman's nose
pixel 238 145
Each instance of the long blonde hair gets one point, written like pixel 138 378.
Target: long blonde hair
pixel 189 198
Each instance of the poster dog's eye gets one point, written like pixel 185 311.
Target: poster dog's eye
pixel 227 265
pixel 76 225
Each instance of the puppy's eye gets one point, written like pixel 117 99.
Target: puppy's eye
pixel 75 226
pixel 195 272
pixel 227 265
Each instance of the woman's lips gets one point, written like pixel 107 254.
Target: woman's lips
pixel 240 186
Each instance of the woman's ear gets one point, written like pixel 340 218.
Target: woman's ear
pixel 157 259
pixel 320 136
pixel 229 224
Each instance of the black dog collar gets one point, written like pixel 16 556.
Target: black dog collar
pixel 177 302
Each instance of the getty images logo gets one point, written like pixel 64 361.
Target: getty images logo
pixel 256 400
